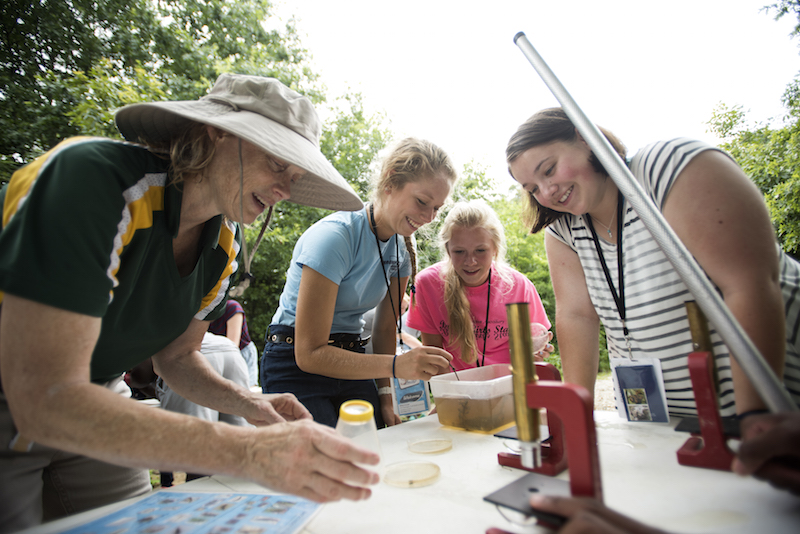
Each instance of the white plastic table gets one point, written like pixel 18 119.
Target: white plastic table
pixel 640 473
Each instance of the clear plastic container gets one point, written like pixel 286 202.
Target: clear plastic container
pixel 357 422
pixel 479 399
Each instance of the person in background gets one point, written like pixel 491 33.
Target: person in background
pixel 343 266
pixel 114 252
pixel 772 454
pixel 224 357
pixel 606 267
pixel 460 302
pixel 233 325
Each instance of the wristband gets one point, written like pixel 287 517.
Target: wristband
pixel 385 390
pixel 751 412
pixel 394 361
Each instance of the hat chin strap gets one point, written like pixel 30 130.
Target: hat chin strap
pixel 246 276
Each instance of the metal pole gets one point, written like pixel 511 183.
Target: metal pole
pixel 741 347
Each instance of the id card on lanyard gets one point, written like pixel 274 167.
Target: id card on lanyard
pixel 638 383
pixel 639 391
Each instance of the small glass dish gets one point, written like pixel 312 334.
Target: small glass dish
pixel 430 445
pixel 411 474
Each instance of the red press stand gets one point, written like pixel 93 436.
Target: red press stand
pixel 709 449
pixel 570 421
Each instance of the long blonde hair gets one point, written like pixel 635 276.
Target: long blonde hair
pixel 411 160
pixel 472 214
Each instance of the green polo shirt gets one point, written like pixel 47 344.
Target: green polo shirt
pixel 88 227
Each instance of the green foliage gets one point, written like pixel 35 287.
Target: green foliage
pixel 65 67
pixel 787 7
pixel 770 155
pixel 100 92
pixel 351 141
pixel 61 60
pixel 771 158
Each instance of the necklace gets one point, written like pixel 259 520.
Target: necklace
pixel 608 226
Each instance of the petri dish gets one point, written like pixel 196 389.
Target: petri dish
pixel 430 445
pixel 411 474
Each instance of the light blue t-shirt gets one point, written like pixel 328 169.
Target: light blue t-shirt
pixel 342 248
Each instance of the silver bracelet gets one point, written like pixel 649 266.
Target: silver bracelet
pixel 385 390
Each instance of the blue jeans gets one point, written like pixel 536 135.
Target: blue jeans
pixel 322 395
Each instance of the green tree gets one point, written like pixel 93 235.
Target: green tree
pixel 67 66
pixel 61 60
pixel 771 157
pixel 787 7
pixel 769 154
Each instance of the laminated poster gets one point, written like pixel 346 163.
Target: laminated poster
pixel 172 512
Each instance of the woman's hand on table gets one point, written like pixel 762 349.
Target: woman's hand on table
pixel 589 516
pixel 310 460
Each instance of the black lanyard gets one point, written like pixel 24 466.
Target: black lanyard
pixel 486 324
pixel 398 321
pixel 619 299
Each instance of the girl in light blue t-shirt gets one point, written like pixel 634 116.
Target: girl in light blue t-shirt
pixel 343 266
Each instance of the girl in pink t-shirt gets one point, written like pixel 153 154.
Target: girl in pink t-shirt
pixel 459 303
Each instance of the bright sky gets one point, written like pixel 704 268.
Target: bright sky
pixel 448 70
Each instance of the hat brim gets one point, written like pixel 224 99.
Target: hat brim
pixel 321 187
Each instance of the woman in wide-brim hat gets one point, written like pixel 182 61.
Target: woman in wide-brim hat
pixel 114 252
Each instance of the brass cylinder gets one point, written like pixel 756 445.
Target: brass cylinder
pixel 698 326
pixel 523 371
pixel 701 338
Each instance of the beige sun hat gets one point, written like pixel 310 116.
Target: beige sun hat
pixel 262 111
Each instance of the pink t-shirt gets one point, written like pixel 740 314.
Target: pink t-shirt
pixel 428 313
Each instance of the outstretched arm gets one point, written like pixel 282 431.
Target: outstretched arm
pixel 315 306
pixel 188 373
pixel 45 353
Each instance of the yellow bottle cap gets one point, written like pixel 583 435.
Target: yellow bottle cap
pixel 356 411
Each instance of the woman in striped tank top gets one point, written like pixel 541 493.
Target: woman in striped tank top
pixel 606 268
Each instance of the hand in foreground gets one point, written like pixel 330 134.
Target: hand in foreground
pixel 770 450
pixel 309 460
pixel 268 408
pixel 422 363
pixel 589 516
